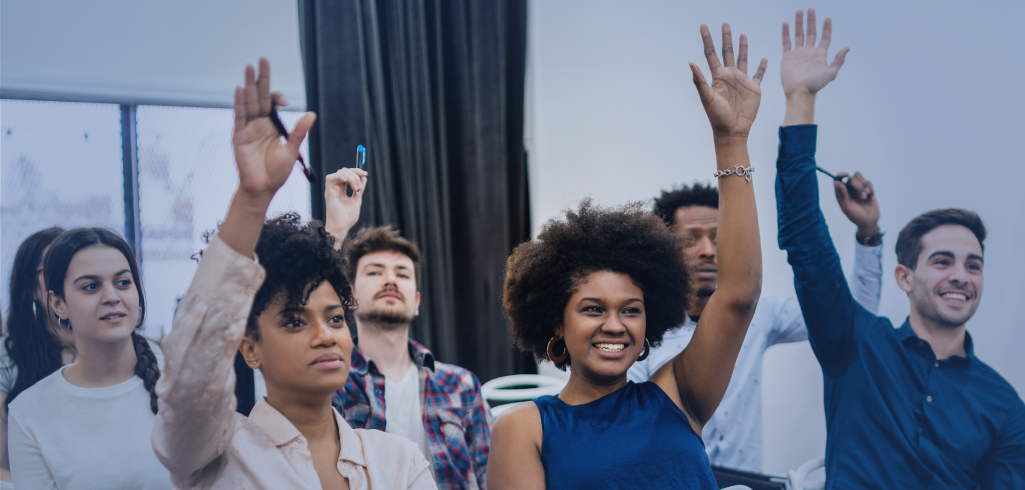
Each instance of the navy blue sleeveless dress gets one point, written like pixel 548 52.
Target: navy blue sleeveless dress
pixel 633 438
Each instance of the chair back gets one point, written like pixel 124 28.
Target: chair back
pixel 502 393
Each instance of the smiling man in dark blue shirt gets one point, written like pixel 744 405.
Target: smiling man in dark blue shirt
pixel 910 407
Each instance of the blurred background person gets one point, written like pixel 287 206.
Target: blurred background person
pixel 34 346
pixel 68 428
pixel 733 437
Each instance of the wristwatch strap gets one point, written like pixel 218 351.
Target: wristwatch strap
pixel 872 241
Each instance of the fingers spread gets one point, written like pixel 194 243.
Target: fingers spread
pixel 710 56
pixel 840 56
pixel 761 72
pixel 827 33
pixel 700 83
pixel 799 30
pixel 786 37
pixel 727 45
pixel 742 54
pixel 812 32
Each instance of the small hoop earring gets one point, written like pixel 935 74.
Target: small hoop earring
pixel 647 350
pixel 68 326
pixel 551 352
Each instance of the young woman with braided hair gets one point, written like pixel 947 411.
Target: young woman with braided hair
pixel 68 429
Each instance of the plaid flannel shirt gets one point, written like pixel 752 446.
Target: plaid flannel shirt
pixel 457 420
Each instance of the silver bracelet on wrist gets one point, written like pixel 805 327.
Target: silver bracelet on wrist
pixel 740 170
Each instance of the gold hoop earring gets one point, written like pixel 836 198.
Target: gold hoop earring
pixel 551 352
pixel 647 350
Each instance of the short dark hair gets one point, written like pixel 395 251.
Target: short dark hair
pixel 541 275
pixel 380 239
pixel 909 242
pixel 695 195
pixel 297 257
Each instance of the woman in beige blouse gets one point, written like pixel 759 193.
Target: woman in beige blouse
pixel 287 316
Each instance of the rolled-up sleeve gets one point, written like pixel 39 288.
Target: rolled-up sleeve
pixel 196 419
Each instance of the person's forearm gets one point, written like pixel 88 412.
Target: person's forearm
pixel 196 419
pixel 800 109
pixel 739 249
pixel 244 221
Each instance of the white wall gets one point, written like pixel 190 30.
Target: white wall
pixel 182 52
pixel 928 106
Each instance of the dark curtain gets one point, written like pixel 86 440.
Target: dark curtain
pixel 434 90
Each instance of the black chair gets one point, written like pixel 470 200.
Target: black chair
pixel 727 477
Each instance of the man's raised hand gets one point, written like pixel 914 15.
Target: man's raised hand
pixel 804 69
pixel 858 203
pixel 342 209
pixel 264 163
pixel 731 102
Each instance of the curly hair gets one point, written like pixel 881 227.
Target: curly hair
pixel 694 195
pixel 542 275
pixel 297 257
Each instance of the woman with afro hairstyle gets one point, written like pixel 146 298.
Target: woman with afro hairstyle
pixel 597 291
pixel 278 293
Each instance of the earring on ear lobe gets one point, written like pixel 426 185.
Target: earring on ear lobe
pixel 34 312
pixel 551 352
pixel 647 350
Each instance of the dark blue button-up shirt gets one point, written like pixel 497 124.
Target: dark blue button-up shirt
pixel 896 416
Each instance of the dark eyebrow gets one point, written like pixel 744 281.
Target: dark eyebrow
pixel 976 257
pixel 97 278
pixel 300 309
pixel 942 253
pixel 598 300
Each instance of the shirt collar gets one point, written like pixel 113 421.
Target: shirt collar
pixel 420 355
pixel 282 432
pixel 908 337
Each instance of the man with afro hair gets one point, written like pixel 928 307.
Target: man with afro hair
pixel 733 438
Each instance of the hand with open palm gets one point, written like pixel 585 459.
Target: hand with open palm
pixel 732 101
pixel 804 69
pixel 263 162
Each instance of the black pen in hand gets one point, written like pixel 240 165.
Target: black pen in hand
pixel 845 181
pixel 274 119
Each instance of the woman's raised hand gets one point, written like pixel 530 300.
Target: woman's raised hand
pixel 731 102
pixel 264 164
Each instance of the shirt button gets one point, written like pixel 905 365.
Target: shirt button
pixel 928 398
pixel 937 364
pixel 919 430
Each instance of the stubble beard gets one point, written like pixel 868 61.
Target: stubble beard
pixel 932 309
pixel 389 320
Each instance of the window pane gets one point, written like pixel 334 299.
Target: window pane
pixel 60 165
pixel 187 176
